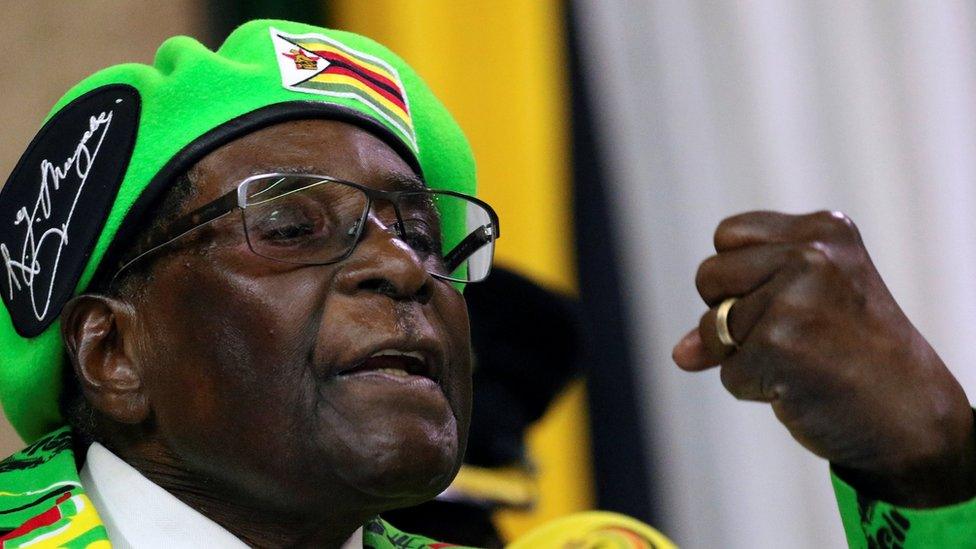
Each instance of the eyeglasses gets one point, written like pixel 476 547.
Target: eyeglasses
pixel 318 220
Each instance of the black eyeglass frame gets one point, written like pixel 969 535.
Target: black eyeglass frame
pixel 237 199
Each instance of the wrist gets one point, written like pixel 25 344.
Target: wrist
pixel 934 480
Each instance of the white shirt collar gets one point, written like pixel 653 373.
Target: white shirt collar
pixel 140 514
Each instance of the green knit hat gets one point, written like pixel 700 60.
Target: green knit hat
pixel 114 144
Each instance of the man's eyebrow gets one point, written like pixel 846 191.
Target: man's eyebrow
pixel 291 169
pixel 405 182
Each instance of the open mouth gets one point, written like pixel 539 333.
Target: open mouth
pixel 394 364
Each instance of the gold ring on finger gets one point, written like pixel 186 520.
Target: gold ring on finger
pixel 722 323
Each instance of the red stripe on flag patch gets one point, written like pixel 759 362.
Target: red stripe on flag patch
pixel 378 78
pixel 335 69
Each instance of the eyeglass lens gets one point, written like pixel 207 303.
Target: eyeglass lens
pixel 303 219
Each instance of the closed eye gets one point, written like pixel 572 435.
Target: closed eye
pixel 421 237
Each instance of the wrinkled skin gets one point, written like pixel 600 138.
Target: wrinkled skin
pixel 225 389
pixel 823 341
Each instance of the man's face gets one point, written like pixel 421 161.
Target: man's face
pixel 243 357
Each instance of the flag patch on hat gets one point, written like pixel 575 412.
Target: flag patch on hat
pixel 314 63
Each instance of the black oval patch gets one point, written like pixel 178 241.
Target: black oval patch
pixel 54 206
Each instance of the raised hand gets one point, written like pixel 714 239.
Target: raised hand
pixel 818 335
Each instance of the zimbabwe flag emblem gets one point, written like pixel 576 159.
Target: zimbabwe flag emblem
pixel 314 63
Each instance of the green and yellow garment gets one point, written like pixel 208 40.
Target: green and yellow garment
pixel 43 505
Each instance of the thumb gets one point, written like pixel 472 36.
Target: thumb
pixel 690 353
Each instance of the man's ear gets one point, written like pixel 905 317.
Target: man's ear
pixel 99 336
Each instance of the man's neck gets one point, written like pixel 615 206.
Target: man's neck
pixel 253 524
pixel 259 529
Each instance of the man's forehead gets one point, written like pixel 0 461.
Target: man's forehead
pixel 319 147
pixel 407 181
pixel 387 180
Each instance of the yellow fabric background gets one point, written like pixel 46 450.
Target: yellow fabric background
pixel 500 68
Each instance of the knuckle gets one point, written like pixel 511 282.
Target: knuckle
pixel 732 221
pixel 727 377
pixel 791 305
pixel 812 255
pixel 780 336
pixel 730 230
pixel 743 383
pixel 724 232
pixel 705 324
pixel 704 276
pixel 795 332
pixel 734 380
pixel 837 224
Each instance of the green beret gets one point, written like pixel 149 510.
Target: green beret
pixel 113 145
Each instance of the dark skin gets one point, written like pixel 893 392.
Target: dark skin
pixel 824 343
pixel 221 379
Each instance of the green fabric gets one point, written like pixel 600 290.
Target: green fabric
pixel 871 523
pixel 34 479
pixel 379 534
pixel 39 486
pixel 188 91
pixel 45 468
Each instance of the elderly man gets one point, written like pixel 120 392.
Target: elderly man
pixel 236 276
pixel 269 346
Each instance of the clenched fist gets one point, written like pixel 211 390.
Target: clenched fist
pixel 821 339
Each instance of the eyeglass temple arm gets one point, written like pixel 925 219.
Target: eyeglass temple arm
pixel 181 226
pixel 471 243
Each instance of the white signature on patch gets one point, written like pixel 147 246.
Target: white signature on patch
pixel 28 269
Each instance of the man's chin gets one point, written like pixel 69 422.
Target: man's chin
pixel 407 459
pixel 394 443
pixel 412 488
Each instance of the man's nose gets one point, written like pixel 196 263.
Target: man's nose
pixel 383 263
